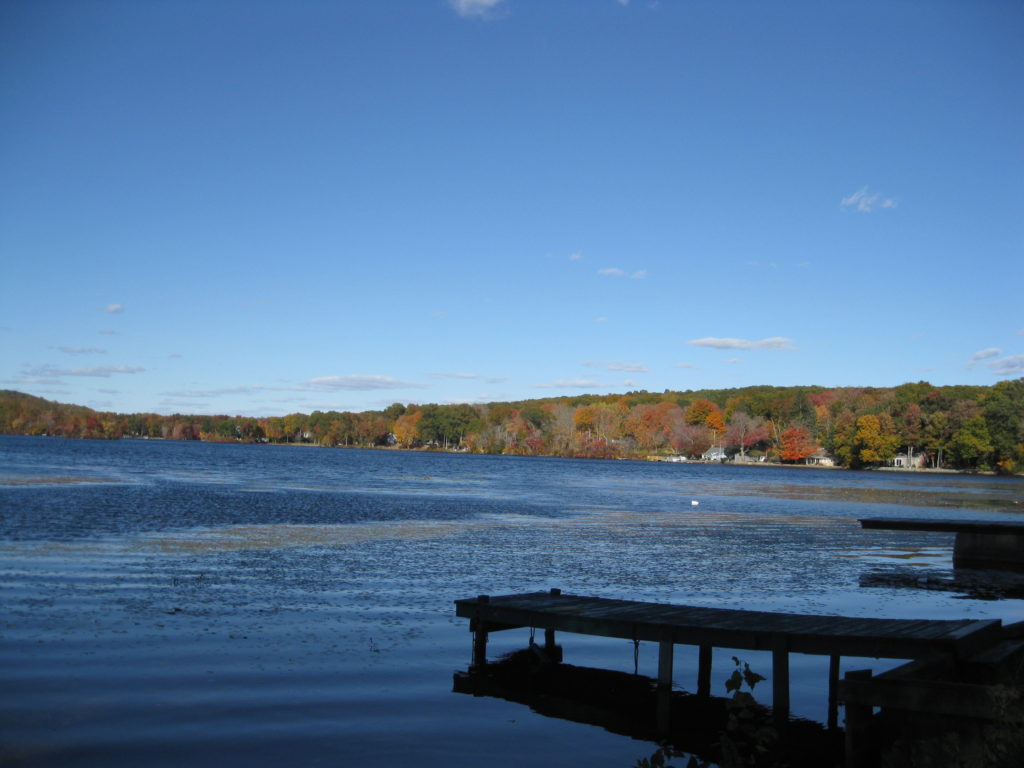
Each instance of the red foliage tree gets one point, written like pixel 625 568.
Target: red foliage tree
pixel 796 444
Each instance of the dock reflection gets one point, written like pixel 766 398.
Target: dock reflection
pixel 968 583
pixel 634 706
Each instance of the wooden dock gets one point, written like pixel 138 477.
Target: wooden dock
pixel 708 628
pixel 978 544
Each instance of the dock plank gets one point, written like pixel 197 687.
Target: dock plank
pixel 727 627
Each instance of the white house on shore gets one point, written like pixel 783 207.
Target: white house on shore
pixel 714 453
pixel 820 458
pixel 909 460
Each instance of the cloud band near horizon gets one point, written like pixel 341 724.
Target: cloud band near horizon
pixel 775 343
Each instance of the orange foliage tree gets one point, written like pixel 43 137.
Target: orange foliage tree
pixel 796 444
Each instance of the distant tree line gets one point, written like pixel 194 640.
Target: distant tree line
pixel 960 427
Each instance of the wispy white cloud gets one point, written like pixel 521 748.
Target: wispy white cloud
pixel 113 309
pixel 617 365
pixel 175 356
pixel 468 377
pixel 442 375
pixel 576 256
pixel 734 361
pixel 865 202
pixel 102 371
pixel 358 382
pixel 474 8
pixel 639 274
pixel 1011 365
pixel 107 332
pixel 82 350
pixel 205 393
pixel 984 354
pixel 352 382
pixel 775 342
pixel 688 366
pixel 601 319
pixel 569 384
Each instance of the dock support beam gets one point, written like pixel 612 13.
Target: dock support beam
pixel 479 629
pixel 833 685
pixel 859 746
pixel 549 635
pixel 666 653
pixel 780 683
pixel 666 657
pixel 704 671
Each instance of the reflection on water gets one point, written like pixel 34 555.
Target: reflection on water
pixel 966 583
pixel 631 705
pixel 280 604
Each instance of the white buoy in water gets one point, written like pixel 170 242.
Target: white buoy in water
pixel 694 503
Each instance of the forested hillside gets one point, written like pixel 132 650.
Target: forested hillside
pixel 960 427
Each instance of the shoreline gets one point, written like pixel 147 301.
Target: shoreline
pixel 649 458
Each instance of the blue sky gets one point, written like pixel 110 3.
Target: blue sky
pixel 246 207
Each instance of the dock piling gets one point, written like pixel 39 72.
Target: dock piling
pixel 549 634
pixel 833 694
pixel 858 727
pixel 704 671
pixel 479 627
pixel 780 681
pixel 666 654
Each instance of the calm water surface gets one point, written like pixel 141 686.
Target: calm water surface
pixel 171 603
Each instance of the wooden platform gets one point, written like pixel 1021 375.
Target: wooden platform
pixel 979 543
pixel 669 625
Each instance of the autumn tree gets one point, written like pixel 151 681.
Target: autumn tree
pixel 910 425
pixel 691 439
pixel 796 444
pixel 843 440
pixel 561 429
pixel 876 439
pixel 705 412
pixel 406 427
pixel 936 436
pixel 651 425
pixel 372 428
pixel 745 431
pixel 699 410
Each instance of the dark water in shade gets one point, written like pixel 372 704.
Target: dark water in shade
pixel 169 603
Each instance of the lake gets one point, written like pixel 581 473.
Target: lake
pixel 171 603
